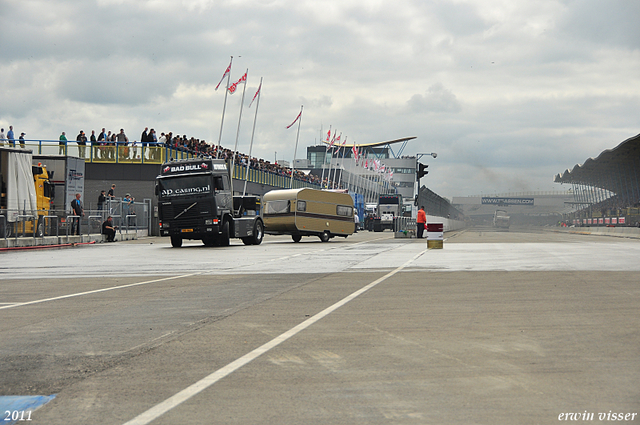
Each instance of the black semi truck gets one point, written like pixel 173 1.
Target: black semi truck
pixel 195 201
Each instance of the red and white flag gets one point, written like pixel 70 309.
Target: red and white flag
pixel 328 135
pixel 332 140
pixel 227 72
pixel 355 153
pixel 294 121
pixel 234 86
pixel 257 93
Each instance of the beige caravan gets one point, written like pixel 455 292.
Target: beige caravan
pixel 308 212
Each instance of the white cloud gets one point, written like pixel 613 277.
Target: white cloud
pixel 518 90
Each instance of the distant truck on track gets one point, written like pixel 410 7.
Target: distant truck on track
pixel 501 219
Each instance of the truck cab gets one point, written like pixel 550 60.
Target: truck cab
pixel 195 202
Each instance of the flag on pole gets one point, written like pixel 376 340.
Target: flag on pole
pixel 256 95
pixel 355 153
pixel 224 75
pixel 328 135
pixel 332 140
pixel 294 121
pixel 234 86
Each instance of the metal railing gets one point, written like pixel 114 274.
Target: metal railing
pixel 404 224
pixel 135 153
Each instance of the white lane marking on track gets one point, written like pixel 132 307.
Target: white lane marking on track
pixel 184 395
pixel 96 291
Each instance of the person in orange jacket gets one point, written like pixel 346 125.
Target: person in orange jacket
pixel 421 221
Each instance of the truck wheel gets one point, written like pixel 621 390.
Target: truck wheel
pixel 324 236
pixel 296 238
pixel 258 232
pixel 176 241
pixel 224 235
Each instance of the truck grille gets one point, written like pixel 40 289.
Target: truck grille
pixel 169 212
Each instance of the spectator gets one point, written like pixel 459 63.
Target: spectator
pixel 111 197
pixel 143 137
pixel 93 143
pixel 2 137
pixel 111 194
pixel 127 208
pixel 101 200
pixel 102 139
pixel 11 137
pixel 76 206
pixel 123 142
pixel 21 138
pixel 62 148
pixel 109 229
pixel 81 140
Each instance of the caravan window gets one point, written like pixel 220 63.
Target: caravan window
pixel 277 207
pixel 344 211
pixel 301 206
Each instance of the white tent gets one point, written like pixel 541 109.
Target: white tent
pixel 21 192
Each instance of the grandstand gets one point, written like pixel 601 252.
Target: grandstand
pixel 606 188
pixel 540 208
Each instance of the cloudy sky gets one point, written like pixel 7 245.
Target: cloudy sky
pixel 507 93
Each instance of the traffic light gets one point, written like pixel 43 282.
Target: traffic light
pixel 422 170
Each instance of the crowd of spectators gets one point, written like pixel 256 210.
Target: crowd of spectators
pixel 106 141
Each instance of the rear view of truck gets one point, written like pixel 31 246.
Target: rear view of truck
pixel 501 219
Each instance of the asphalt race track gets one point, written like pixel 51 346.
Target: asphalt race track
pixel 518 327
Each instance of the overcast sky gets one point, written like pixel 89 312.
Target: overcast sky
pixel 507 93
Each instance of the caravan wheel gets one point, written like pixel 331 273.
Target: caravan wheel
pixel 325 236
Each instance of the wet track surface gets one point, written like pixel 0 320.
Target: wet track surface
pixel 498 327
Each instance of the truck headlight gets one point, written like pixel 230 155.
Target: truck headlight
pixel 208 222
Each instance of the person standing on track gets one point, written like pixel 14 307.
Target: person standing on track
pixel 421 222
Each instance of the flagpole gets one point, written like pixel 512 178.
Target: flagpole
pixel 344 148
pixel 255 118
pixel 324 160
pixel 335 169
pixel 235 148
pixel 330 159
pixel 354 166
pixel 224 107
pixel 295 150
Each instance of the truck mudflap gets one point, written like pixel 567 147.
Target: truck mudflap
pixel 244 226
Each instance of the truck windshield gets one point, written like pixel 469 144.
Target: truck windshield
pixel 184 186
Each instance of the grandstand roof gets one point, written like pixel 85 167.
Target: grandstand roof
pixel 614 169
pixel 373 144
